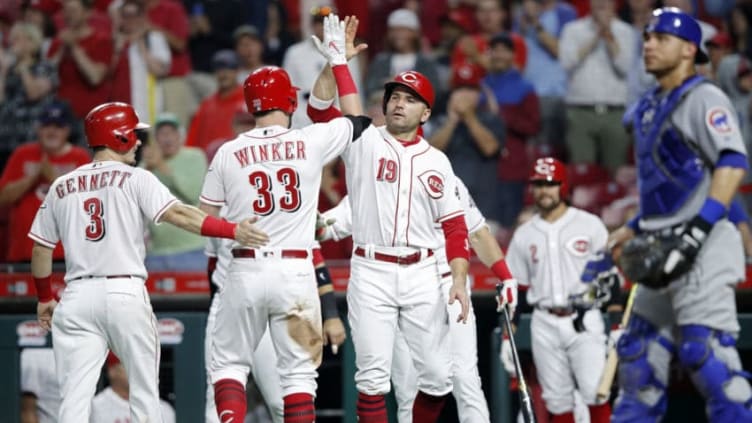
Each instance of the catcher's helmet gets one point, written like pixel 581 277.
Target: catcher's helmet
pixel 670 20
pixel 551 170
pixel 113 125
pixel 414 81
pixel 270 88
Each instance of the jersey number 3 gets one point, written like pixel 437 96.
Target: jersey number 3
pixel 262 181
pixel 95 209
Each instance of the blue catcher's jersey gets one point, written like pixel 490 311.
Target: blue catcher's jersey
pixel 679 136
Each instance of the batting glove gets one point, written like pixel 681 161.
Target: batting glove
pixel 505 355
pixel 506 294
pixel 333 45
pixel 681 258
pixel 324 229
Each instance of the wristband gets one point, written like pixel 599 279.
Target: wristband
pixel 501 270
pixel 44 289
pixel 326 294
pixel 345 83
pixel 318 258
pixel 736 213
pixel 712 210
pixel 218 228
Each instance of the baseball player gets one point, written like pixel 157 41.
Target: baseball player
pixel 40 392
pixel 265 376
pixel 690 159
pixel 547 254
pixel 400 188
pixel 111 405
pixel 98 212
pixel 274 174
pixel 471 403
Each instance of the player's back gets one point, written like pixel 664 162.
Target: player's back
pixel 274 173
pixel 98 213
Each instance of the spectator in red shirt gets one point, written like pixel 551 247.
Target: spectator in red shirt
pixel 31 169
pixel 171 19
pixel 213 120
pixel 83 56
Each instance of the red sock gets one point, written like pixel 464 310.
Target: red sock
pixel 600 413
pixel 426 408
pixel 562 418
pixel 229 396
pixel 299 408
pixel 371 409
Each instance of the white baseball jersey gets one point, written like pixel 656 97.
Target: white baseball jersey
pixel 274 173
pixel 97 211
pixel 38 378
pixel 109 407
pixel 342 226
pixel 549 257
pixel 399 192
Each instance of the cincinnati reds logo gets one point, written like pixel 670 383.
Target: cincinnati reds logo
pixel 544 168
pixel 409 77
pixel 433 182
pixel 579 246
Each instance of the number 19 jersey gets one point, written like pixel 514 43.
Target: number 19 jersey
pixel 274 173
pixel 97 211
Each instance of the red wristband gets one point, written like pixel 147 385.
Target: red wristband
pixel 218 228
pixel 44 289
pixel 345 83
pixel 318 258
pixel 501 270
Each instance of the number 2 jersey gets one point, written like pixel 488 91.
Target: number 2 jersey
pixel 274 173
pixel 98 212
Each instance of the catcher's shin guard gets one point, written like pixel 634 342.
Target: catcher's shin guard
pixel 716 371
pixel 643 373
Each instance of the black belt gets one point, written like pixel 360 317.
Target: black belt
pixel 408 259
pixel 557 311
pixel 245 253
pixel 444 275
pixel 105 277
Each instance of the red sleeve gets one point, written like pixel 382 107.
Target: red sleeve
pixel 455 235
pixel 319 116
pixel 178 23
pixel 14 168
pixel 524 119
pixel 100 49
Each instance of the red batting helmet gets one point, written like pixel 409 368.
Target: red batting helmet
pixel 551 170
pixel 113 125
pixel 270 88
pixel 414 81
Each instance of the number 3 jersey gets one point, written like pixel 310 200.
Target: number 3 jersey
pixel 98 212
pixel 274 173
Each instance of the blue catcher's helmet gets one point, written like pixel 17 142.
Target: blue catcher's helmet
pixel 670 20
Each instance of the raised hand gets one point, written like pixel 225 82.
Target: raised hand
pixel 333 45
pixel 351 29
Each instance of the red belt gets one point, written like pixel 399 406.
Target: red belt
pixel 408 259
pixel 444 275
pixel 244 253
pixel 106 277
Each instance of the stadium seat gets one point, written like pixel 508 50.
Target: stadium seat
pixel 587 174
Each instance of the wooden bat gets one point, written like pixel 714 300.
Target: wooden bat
pixel 609 372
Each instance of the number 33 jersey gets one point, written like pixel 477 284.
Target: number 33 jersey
pixel 98 212
pixel 274 173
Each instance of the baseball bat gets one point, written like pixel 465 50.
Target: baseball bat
pixel 526 400
pixel 612 361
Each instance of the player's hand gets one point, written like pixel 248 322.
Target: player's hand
pixel 681 258
pixel 617 239
pixel 458 292
pixel 324 230
pixel 44 314
pixel 506 357
pixel 351 29
pixel 249 235
pixel 333 45
pixel 613 336
pixel 334 333
pixel 506 294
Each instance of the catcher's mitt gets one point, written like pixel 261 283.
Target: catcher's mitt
pixel 643 259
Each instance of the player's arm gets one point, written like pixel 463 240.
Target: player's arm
pixel 41 270
pixel 29 408
pixel 196 221
pixel 490 254
pixel 334 330
pixel 458 255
